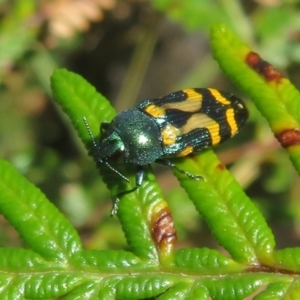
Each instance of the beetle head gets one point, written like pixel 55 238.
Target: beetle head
pixel 109 144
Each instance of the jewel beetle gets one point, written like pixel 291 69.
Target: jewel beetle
pixel 175 125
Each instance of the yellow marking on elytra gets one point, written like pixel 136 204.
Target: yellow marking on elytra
pixel 187 105
pixel 217 95
pixel 230 116
pixel 169 135
pixel 186 151
pixel 214 130
pixel 193 95
pixel 203 121
pixel 155 111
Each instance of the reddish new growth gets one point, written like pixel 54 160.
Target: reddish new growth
pixel 221 167
pixel 290 137
pixel 163 231
pixel 263 68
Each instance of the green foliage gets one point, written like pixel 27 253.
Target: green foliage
pixel 16 33
pixel 27 209
pixel 192 14
pixel 275 25
pixel 53 262
pixel 231 216
pixel 275 96
pixel 55 265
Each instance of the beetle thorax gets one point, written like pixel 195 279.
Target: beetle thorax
pixel 140 136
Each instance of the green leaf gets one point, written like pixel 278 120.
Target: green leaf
pixel 235 287
pixel 12 289
pixel 51 284
pixel 232 217
pixel 274 291
pixel 79 99
pixel 205 261
pixel 199 291
pixel 277 101
pixel 89 291
pixel 288 259
pixel 107 261
pixel 16 260
pixel 275 96
pixel 143 286
pixel 179 291
pixel 42 227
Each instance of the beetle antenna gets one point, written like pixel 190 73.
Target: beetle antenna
pixel 115 170
pixel 88 128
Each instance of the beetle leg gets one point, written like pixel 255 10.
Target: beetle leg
pixel 140 174
pixel 169 164
pixel 139 177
